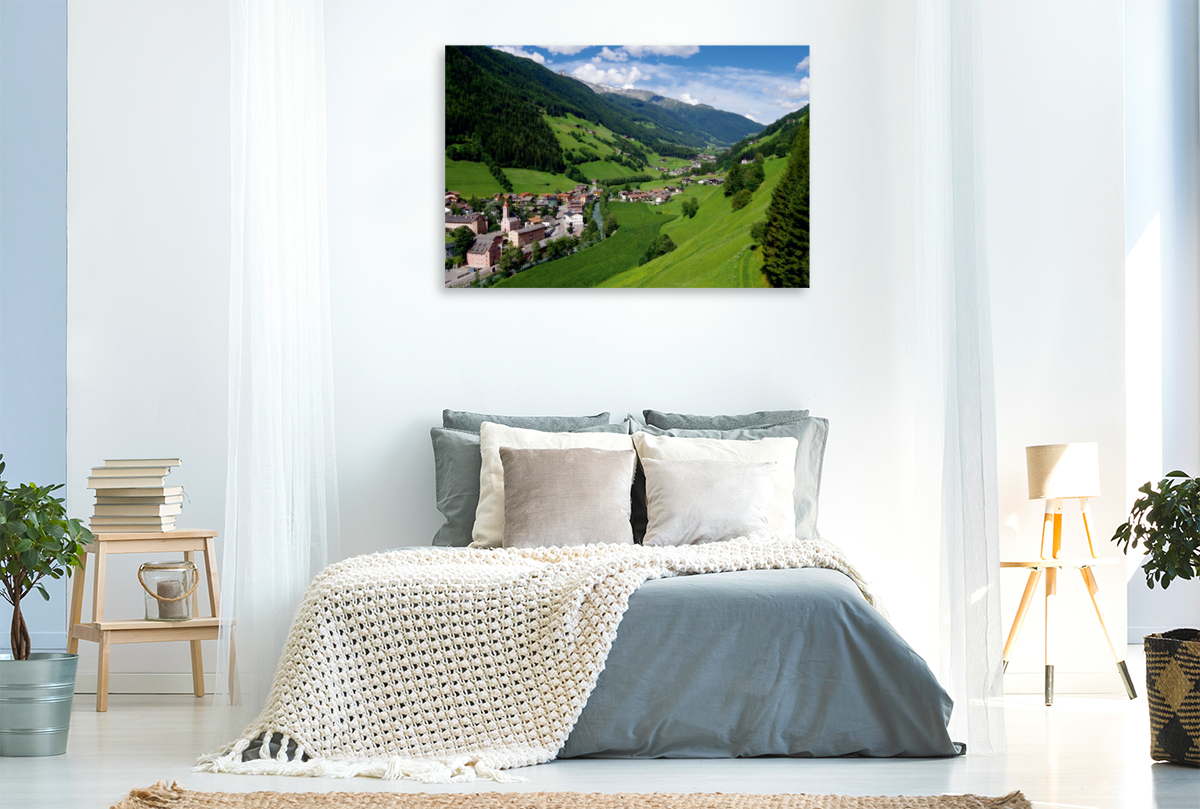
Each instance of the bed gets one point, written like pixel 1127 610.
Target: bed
pixel 555 636
pixel 760 663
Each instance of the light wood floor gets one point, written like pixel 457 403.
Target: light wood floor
pixel 1083 752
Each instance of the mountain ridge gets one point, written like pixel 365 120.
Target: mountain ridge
pixel 719 125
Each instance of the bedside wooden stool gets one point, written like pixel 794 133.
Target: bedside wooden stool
pixel 106 633
pixel 1051 567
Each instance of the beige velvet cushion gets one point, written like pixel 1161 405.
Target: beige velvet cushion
pixel 566 496
pixel 488 531
pixel 781 514
pixel 689 502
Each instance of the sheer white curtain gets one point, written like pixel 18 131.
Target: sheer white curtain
pixel 957 427
pixel 281 508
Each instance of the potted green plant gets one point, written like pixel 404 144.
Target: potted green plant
pixel 36 688
pixel 1165 521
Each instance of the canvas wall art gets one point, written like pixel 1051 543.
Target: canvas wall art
pixel 627 166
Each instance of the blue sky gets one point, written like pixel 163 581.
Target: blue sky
pixel 761 82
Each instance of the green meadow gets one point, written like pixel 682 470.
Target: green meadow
pixel 470 179
pixel 639 224
pixel 713 248
pixel 474 180
pixel 538 182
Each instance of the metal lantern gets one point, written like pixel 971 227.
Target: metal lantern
pixel 169 587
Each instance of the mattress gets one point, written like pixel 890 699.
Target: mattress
pixel 760 663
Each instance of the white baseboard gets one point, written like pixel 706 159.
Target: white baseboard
pixel 1065 682
pixel 142 683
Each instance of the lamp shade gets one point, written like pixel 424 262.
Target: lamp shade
pixel 1063 470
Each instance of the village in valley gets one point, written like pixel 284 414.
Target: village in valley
pixel 541 226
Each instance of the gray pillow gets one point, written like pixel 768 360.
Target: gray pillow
pixel 811 433
pixel 463 420
pixel 694 501
pixel 565 497
pixel 456 464
pixel 684 421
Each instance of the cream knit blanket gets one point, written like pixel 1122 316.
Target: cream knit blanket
pixel 447 666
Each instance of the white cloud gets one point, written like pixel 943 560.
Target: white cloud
pixel 619 77
pixel 567 50
pixel 753 116
pixel 638 51
pixel 804 64
pixel 686 98
pixel 792 92
pixel 610 55
pixel 524 54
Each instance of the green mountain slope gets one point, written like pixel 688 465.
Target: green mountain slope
pixel 481 106
pixel 665 124
pixel 713 248
pixel 499 101
pixel 768 139
pixel 473 73
pixel 722 127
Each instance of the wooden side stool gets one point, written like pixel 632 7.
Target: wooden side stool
pixel 107 633
pixel 1051 567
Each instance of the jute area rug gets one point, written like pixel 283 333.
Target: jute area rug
pixel 162 796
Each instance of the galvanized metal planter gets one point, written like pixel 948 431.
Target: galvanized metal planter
pixel 35 703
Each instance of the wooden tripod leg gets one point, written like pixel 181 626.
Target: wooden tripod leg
pixel 1035 576
pixel 1093 588
pixel 1051 604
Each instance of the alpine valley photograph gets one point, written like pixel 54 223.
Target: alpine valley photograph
pixel 627 166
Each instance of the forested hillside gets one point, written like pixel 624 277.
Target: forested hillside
pixel 775 139
pixel 487 114
pixel 721 126
pixel 529 88
pixel 785 241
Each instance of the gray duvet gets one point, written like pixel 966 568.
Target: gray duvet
pixel 760 663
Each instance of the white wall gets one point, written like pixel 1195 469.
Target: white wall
pixel 149 192
pixel 148 247
pixel 1162 240
pixel 1055 210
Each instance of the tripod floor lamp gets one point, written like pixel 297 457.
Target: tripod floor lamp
pixel 1059 472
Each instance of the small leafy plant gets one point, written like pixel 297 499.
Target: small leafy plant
pixel 36 540
pixel 1167 522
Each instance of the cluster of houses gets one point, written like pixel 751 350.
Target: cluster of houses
pixel 483 255
pixel 655 196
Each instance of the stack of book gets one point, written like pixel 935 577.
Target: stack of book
pixel 132 496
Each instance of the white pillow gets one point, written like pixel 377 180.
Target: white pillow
pixel 691 502
pixel 489 514
pixel 781 515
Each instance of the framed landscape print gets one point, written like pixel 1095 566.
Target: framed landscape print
pixel 627 166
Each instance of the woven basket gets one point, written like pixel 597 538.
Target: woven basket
pixel 1173 692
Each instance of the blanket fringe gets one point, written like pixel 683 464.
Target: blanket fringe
pixel 457 769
